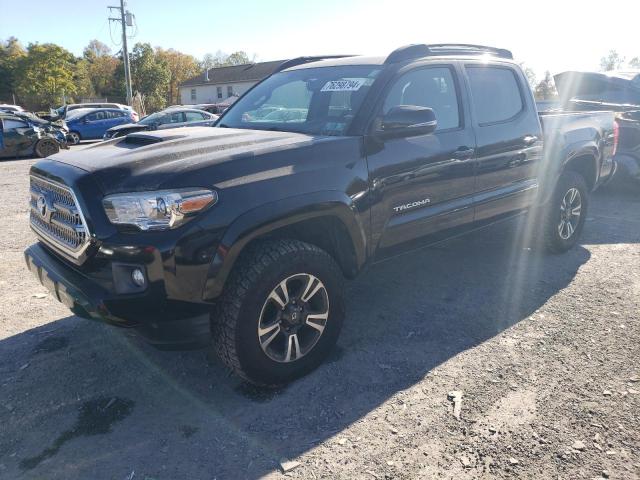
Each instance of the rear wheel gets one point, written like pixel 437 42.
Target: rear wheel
pixel 46 147
pixel 281 312
pixel 74 138
pixel 566 213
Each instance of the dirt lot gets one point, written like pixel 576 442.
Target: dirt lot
pixel 543 349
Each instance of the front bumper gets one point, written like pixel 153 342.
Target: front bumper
pixel 163 322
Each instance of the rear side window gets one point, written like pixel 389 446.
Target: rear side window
pixel 427 87
pixel 495 92
pixel 193 116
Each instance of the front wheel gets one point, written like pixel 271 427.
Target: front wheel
pixel 566 213
pixel 74 138
pixel 281 312
pixel 46 147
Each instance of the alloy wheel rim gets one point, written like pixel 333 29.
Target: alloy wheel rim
pixel 74 138
pixel 570 212
pixel 293 318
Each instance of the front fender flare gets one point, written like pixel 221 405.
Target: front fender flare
pixel 272 216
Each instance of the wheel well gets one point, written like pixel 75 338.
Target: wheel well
pixel 327 233
pixel 584 165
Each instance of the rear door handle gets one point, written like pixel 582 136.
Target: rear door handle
pixel 529 140
pixel 464 153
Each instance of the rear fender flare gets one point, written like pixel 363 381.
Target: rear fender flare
pixel 568 154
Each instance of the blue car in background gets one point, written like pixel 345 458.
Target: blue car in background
pixel 92 123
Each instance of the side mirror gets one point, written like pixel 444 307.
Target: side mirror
pixel 408 121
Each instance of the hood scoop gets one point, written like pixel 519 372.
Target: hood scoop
pixel 141 139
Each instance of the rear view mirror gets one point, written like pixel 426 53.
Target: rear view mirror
pixel 408 121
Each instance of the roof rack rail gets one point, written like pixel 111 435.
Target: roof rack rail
pixel 302 60
pixel 410 52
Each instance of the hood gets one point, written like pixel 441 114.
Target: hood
pixel 128 126
pixel 197 156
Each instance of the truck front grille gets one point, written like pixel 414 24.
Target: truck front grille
pixel 56 217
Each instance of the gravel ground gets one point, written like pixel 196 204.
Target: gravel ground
pixel 539 353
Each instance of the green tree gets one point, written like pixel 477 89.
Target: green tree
pixel 612 61
pixel 181 67
pixel 101 69
pixel 546 89
pixel 10 53
pixel 150 76
pixel 82 79
pixel 221 59
pixel 529 73
pixel 45 74
pixel 96 49
pixel 238 58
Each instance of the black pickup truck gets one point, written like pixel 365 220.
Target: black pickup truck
pixel 242 234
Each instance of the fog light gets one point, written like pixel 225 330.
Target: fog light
pixel 138 277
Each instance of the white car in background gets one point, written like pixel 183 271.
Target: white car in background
pixel 10 108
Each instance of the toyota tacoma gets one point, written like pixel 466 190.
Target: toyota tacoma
pixel 242 234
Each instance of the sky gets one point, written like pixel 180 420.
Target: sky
pixel 549 35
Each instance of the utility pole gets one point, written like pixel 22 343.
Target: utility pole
pixel 124 19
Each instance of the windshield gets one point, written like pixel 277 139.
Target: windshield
pixel 316 101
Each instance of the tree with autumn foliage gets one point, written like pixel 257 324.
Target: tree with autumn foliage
pixel 181 67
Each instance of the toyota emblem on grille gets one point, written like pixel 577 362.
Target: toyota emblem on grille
pixel 45 207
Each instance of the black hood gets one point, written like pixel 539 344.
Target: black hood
pixel 197 156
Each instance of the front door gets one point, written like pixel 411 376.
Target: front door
pixel 422 185
pixel 94 126
pixel 16 137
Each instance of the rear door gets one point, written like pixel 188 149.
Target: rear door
pixel 94 125
pixel 116 117
pixel 508 138
pixel 422 185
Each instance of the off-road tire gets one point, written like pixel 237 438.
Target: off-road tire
pixel 234 321
pixel 46 147
pixel 552 240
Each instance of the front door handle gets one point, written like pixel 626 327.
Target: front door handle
pixel 529 140
pixel 464 153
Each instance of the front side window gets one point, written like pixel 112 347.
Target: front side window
pixel 317 101
pixel 427 87
pixel 495 93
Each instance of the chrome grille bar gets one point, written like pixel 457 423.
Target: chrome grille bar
pixel 56 217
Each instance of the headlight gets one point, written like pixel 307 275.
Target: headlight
pixel 157 210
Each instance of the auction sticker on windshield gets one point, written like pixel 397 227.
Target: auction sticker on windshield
pixel 345 85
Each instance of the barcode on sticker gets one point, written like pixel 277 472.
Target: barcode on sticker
pixel 343 85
